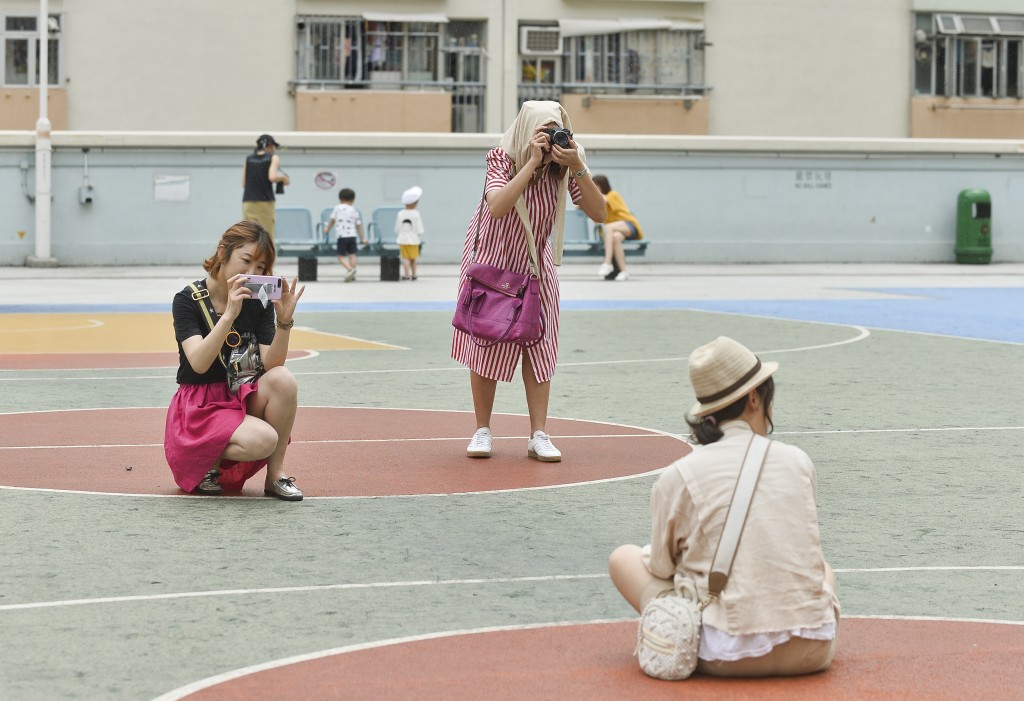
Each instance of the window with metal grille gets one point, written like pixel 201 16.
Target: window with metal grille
pixel 353 52
pixel 19 62
pixel 969 55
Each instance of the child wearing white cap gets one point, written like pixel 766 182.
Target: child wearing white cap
pixel 409 227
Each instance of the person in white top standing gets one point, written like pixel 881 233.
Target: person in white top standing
pixel 409 227
pixel 778 614
pixel 350 225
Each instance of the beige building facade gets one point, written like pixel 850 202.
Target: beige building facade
pixel 815 68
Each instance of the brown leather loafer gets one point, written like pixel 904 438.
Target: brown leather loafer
pixel 210 486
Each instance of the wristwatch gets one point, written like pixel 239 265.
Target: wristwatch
pixel 581 173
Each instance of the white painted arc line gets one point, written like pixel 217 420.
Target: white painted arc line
pixel 189 689
pixel 936 568
pixel 94 323
pixel 431 582
pixel 337 440
pixel 863 333
pixel 294 590
pixel 327 441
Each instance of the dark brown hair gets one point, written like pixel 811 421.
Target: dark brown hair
pixel 242 234
pixel 602 184
pixel 706 432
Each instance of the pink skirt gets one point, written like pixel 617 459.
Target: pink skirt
pixel 200 423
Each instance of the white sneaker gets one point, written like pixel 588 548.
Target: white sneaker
pixel 480 446
pixel 540 447
pixel 622 277
pixel 605 269
pixel 350 276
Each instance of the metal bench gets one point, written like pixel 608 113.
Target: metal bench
pixel 294 233
pixel 318 242
pixel 381 228
pixel 583 238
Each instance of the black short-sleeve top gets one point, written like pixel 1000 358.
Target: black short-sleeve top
pixel 189 321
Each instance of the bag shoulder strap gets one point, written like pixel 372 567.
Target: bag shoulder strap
pixel 742 495
pixel 524 216
pixel 199 295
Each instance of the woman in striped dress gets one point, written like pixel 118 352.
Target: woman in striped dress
pixel 528 178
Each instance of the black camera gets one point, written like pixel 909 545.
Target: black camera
pixel 558 136
pixel 279 188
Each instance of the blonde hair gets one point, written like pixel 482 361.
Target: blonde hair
pixel 242 234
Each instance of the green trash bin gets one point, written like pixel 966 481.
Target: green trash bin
pixel 973 227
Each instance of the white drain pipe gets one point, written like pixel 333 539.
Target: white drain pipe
pixel 44 148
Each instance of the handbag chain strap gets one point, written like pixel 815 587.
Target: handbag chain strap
pixel 201 296
pixel 524 216
pixel 736 518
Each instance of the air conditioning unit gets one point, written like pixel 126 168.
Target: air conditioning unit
pixel 540 41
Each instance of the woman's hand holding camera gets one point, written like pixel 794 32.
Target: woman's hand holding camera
pixel 540 146
pixel 237 293
pixel 285 307
pixel 567 156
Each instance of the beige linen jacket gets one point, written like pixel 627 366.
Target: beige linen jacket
pixel 779 579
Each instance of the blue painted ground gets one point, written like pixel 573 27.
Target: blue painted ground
pixel 994 314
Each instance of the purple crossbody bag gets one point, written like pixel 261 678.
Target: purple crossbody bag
pixel 500 306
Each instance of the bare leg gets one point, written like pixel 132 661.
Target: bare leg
pixel 344 262
pixel 609 244
pixel 537 394
pixel 413 264
pixel 615 234
pixel 254 439
pixel 483 398
pixel 276 402
pixel 628 573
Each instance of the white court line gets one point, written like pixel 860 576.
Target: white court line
pixel 293 590
pixel 188 689
pixel 431 583
pixel 199 685
pixel 94 323
pixel 861 335
pixel 461 439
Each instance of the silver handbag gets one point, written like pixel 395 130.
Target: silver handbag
pixel 244 365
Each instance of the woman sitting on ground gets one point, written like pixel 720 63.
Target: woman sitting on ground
pixel 619 225
pixel 778 614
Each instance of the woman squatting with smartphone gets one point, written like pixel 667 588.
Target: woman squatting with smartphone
pixel 236 402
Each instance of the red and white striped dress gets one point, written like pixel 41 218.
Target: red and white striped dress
pixel 502 243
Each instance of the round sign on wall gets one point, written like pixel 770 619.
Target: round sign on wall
pixel 325 180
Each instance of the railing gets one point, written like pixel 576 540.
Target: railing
pixel 554 91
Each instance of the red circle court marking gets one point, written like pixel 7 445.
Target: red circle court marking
pixel 877 659
pixel 89 361
pixel 334 452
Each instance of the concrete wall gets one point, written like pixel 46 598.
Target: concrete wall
pixel 373 110
pixel 19 108
pixel 700 199
pixel 610 114
pixel 829 68
pixel 966 118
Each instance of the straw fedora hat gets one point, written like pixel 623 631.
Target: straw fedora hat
pixel 723 371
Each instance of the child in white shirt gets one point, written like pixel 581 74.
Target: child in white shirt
pixel 409 227
pixel 349 226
